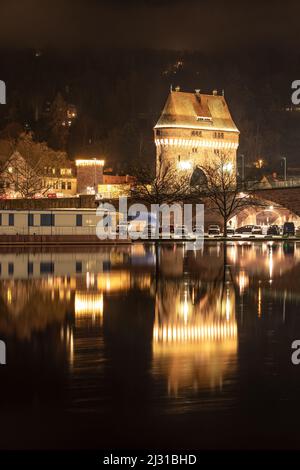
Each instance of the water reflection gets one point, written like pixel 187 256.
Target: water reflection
pixel 194 334
pixel 119 330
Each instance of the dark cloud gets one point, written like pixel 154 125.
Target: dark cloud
pixel 201 25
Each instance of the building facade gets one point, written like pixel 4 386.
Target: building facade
pixel 89 175
pixel 18 178
pixel 194 129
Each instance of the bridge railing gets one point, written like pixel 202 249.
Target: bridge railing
pixel 290 183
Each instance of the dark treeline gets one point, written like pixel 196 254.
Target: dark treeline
pixel 119 94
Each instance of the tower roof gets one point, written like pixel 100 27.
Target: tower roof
pixel 196 111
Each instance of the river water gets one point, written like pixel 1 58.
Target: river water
pixel 106 349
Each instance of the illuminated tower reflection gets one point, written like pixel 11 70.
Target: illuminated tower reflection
pixel 194 334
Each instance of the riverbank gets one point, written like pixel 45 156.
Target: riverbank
pixel 56 240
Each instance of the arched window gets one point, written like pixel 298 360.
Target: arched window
pixel 198 177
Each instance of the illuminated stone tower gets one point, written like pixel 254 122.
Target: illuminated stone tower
pixel 194 129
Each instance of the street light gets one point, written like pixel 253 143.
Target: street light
pixel 95 174
pixel 228 167
pixel 243 169
pixel 284 167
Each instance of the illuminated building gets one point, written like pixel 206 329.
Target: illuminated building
pixel 194 129
pixel 19 176
pixel 89 174
pixel 114 186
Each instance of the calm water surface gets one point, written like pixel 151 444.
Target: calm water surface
pixel 104 350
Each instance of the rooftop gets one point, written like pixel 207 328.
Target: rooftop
pixel 196 111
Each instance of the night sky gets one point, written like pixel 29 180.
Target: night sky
pixel 208 26
pixel 116 61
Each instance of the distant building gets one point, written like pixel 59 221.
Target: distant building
pixel 57 179
pixel 114 186
pixel 20 179
pixel 61 180
pixel 194 129
pixel 89 174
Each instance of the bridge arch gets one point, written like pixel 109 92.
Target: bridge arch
pixel 269 215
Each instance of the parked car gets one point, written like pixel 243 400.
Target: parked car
pixel 150 232
pixel 230 231
pixel 166 231
pixel 122 229
pixel 257 230
pixel 214 230
pixel 198 231
pixel 181 231
pixel 273 230
pixel 52 195
pixel 245 229
pixel 289 228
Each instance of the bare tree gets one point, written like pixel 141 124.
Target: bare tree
pixel 165 186
pixel 25 179
pixel 27 169
pixel 226 196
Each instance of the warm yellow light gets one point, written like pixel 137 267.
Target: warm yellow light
pixel 89 162
pixel 205 128
pixel 243 281
pixel 197 143
pixel 88 303
pixel 184 165
pixel 9 296
pixel 259 163
pixel 191 333
pixel 259 302
pixel 228 167
pixel 113 281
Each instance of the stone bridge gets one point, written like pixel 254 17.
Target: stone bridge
pixel 288 197
pixel 282 203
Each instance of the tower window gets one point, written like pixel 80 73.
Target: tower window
pixel 197 133
pixel 219 135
